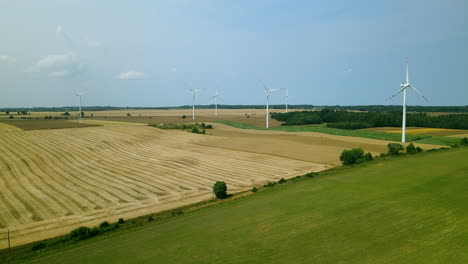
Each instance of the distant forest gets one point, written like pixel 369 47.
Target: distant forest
pixel 370 108
pixel 356 120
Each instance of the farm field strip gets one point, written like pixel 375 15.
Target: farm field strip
pixel 56 180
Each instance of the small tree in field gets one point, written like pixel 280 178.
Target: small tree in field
pixel 220 189
pixel 464 141
pixel 410 148
pixel 394 148
pixel 351 156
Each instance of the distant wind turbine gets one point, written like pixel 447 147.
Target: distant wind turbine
pixel 267 92
pixel 193 102
pixel 405 86
pixel 215 98
pixel 286 98
pixel 80 94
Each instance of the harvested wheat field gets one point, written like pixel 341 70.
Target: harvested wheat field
pixel 56 180
pixel 8 128
pixel 306 146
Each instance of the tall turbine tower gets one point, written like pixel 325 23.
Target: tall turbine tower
pixel 267 92
pixel 403 88
pixel 80 94
pixel 193 102
pixel 286 98
pixel 216 97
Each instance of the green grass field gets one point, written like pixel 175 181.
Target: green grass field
pixel 411 209
pixel 426 139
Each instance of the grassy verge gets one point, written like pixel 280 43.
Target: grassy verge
pixel 401 211
pixel 425 139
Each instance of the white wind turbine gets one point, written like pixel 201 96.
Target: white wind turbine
pixel 215 98
pixel 404 86
pixel 193 102
pixel 286 98
pixel 80 94
pixel 267 92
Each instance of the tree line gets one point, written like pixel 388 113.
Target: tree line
pixel 367 108
pixel 356 120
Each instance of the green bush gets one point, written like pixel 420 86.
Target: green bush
pixel 282 180
pixel 80 233
pixel 311 174
pixel 410 148
pixel 394 148
pixel 351 156
pixel 269 184
pixel 195 130
pixel 150 218
pixel 209 126
pixel 39 246
pixel 368 156
pixel 464 141
pixel 178 212
pixel 220 189
pixel 104 225
pixel 254 189
pixel 121 221
pixel 184 116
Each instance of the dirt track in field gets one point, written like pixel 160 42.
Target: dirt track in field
pixel 56 180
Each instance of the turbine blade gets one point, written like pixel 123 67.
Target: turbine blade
pixel 407 70
pixel 263 83
pixel 424 97
pixel 401 90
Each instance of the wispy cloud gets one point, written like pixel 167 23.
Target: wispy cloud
pixel 95 44
pixel 131 75
pixel 60 65
pixel 7 58
pixel 348 70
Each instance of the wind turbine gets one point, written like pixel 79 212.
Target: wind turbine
pixel 216 97
pixel 286 98
pixel 193 102
pixel 267 92
pixel 80 94
pixel 405 86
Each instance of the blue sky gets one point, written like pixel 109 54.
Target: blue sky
pixel 146 53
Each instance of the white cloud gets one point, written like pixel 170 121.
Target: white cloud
pixel 59 65
pixel 95 44
pixel 348 70
pixel 57 60
pixel 7 58
pixel 131 75
pixel 59 74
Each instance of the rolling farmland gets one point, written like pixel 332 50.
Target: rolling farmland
pixel 394 211
pixel 56 180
